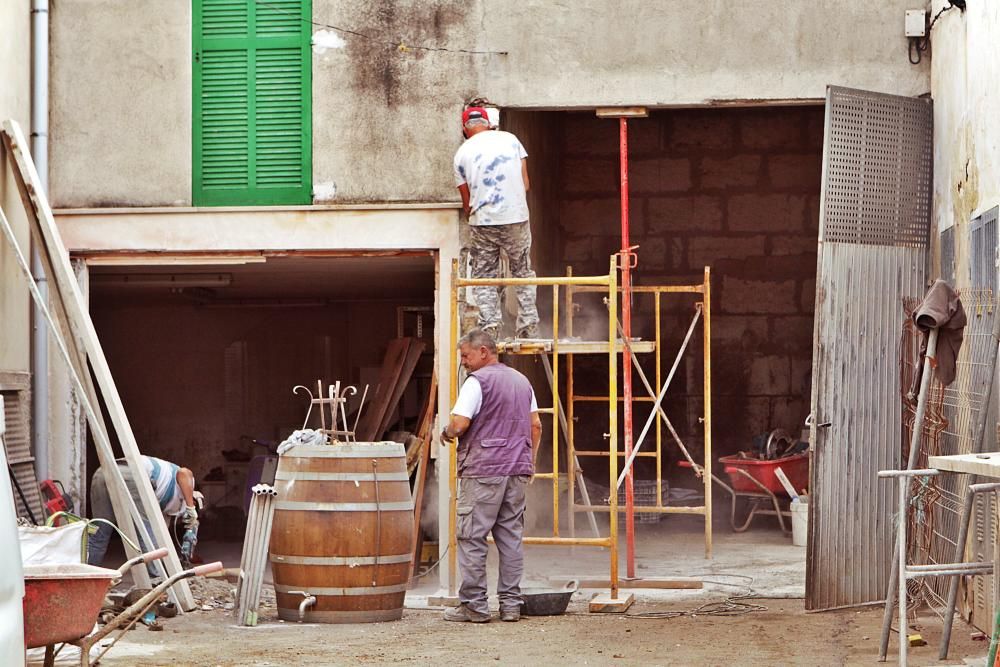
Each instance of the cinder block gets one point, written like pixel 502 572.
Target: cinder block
pixel 709 250
pixel 802 376
pixel 655 253
pixel 743 331
pixel 584 134
pixel 676 214
pixel 815 128
pixel 789 413
pixel 578 250
pixel 765 213
pixel 702 129
pixel 590 217
pixel 812 214
pixel 658 175
pixel 738 171
pixel 759 296
pixel 769 376
pixel 590 177
pixel 796 171
pixel 793 333
pixel 770 129
pixel 645 135
pixel 808 299
pixel 783 244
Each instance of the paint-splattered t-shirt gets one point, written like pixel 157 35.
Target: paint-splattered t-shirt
pixel 490 163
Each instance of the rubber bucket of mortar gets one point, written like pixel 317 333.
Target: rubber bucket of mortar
pixel 800 521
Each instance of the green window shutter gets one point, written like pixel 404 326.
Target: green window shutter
pixel 252 102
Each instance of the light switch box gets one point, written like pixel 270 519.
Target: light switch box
pixel 916 23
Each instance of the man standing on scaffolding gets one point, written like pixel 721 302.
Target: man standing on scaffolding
pixel 496 422
pixel 491 172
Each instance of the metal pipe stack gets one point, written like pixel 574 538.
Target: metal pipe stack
pixel 254 560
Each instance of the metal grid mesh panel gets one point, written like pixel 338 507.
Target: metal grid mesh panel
pixel 983 249
pixel 877 169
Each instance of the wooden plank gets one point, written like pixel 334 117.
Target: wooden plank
pixel 126 513
pixel 603 603
pixel 395 355
pixel 67 291
pixel 413 353
pixel 425 435
pixel 653 583
pixel 544 346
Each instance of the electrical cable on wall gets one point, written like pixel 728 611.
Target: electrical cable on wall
pixel 917 45
pixel 401 45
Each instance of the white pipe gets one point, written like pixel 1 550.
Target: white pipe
pixel 40 154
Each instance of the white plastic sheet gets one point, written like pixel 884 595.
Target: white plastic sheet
pixel 52 546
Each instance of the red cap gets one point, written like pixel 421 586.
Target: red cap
pixel 474 112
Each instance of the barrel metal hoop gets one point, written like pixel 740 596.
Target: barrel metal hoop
pixel 405 505
pixel 349 561
pixel 359 590
pixel 352 451
pixel 303 476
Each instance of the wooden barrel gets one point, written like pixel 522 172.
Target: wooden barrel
pixel 342 532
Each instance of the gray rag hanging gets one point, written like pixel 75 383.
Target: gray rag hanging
pixel 941 308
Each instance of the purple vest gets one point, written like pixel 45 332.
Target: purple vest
pixel 498 441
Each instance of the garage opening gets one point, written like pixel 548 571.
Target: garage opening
pixel 206 356
pixel 736 189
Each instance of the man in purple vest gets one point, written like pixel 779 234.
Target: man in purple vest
pixel 496 422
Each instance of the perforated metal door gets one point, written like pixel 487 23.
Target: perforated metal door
pixel 874 231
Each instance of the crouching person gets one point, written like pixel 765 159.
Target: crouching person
pixel 174 489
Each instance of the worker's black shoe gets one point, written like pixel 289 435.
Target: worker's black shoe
pixel 530 331
pixel 493 330
pixel 462 613
pixel 512 615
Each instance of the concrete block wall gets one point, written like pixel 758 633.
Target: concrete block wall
pixel 734 189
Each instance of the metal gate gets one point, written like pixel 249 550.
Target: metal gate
pixel 873 240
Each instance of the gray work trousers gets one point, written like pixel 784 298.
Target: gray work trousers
pixel 491 505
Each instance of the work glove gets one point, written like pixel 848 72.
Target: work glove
pixel 189 517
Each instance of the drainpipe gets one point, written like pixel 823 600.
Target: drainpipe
pixel 40 154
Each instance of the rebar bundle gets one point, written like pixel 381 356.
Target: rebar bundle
pixel 255 549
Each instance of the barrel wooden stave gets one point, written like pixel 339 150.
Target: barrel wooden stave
pixel 317 533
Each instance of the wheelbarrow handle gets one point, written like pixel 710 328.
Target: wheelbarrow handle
pixel 146 600
pixel 141 558
pixel 208 568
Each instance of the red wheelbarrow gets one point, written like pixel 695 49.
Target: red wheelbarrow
pixel 62 602
pixel 754 480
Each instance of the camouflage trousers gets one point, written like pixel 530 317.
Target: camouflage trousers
pixel 486 244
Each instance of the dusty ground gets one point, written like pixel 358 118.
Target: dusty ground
pixel 781 634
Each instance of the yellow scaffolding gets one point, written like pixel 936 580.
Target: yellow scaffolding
pixel 608 285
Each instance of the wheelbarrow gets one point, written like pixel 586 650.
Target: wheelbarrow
pixel 62 603
pixel 754 480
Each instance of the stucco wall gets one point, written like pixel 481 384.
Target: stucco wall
pixel 120 109
pixel 965 72
pixel 15 102
pixel 384 117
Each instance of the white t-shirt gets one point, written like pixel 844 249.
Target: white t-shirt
pixel 470 399
pixel 490 164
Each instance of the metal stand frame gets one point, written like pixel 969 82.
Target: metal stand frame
pixel 906 572
pixel 563 424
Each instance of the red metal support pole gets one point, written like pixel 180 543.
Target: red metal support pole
pixel 627 259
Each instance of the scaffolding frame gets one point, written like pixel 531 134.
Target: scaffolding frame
pixel 613 346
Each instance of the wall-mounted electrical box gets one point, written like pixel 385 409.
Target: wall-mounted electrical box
pixel 916 23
